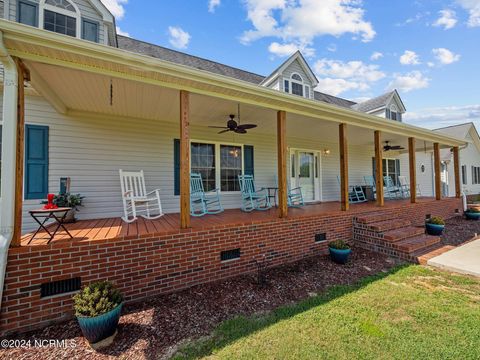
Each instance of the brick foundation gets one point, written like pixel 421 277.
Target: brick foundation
pixel 148 266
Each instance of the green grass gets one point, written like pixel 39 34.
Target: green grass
pixel 410 313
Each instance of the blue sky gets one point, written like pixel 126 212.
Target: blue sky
pixel 358 49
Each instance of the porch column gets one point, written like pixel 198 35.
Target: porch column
pixel 22 74
pixel 413 170
pixel 379 168
pixel 456 165
pixel 282 163
pixel 436 160
pixel 343 167
pixel 184 159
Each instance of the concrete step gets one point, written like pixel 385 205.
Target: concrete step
pixel 403 233
pixel 423 255
pixel 390 224
pixel 416 243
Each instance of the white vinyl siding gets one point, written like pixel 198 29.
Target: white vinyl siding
pixel 295 67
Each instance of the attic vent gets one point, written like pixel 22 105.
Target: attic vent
pixel 60 287
pixel 230 254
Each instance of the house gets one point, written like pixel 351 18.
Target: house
pixel 80 103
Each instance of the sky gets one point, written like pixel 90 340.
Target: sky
pixel 426 49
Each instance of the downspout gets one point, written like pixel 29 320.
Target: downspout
pixel 9 140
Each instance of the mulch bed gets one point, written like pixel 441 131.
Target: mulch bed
pixel 153 329
pixel 459 230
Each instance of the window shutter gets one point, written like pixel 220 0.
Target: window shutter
pixel 387 114
pixel 36 162
pixel 248 159
pixel 374 168
pixel 176 166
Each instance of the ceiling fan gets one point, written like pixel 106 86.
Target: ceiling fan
pixel 233 125
pixel 389 147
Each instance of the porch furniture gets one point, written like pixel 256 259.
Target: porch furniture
pixel 295 197
pixel 392 191
pixel 355 193
pixel 369 192
pixel 370 181
pixel 136 199
pixel 404 186
pixel 57 215
pixel 201 202
pixel 253 199
pixel 272 194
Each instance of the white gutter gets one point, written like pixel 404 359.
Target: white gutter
pixel 9 141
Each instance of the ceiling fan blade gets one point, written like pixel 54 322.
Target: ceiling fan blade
pixel 240 131
pixel 398 147
pixel 246 126
pixel 218 127
pixel 224 131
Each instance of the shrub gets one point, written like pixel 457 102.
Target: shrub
pixel 96 299
pixel 436 220
pixel 339 245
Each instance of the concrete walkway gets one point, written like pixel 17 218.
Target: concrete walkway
pixel 464 259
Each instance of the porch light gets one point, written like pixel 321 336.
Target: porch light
pixel 326 152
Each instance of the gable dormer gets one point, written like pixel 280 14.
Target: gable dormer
pixel 389 106
pixel 85 19
pixel 294 76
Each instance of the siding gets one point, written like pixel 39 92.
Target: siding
pixel 425 179
pixel 295 67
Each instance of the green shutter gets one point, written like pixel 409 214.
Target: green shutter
pixel 176 166
pixel 36 162
pixel 248 160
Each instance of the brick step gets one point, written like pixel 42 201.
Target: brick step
pixel 416 243
pixel 374 218
pixel 387 225
pixel 423 255
pixel 403 233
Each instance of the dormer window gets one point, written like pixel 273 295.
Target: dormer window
pixel 296 86
pixel 392 113
pixel 60 16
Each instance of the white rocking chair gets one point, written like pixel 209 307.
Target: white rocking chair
pixel 136 199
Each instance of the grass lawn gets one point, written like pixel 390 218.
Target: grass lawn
pixel 413 312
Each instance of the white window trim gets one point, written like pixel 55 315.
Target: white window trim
pixel 218 179
pixel 77 15
pixel 302 83
pixel 385 168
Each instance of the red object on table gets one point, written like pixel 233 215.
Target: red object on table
pixel 50 205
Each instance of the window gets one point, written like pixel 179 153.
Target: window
pixel 296 86
pixel 475 175
pixel 89 30
pixel 464 174
pixel 223 169
pixel 27 13
pixel 393 114
pixel 286 86
pixel 297 89
pixel 60 16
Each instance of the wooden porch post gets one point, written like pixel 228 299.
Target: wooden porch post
pixel 413 170
pixel 379 168
pixel 343 167
pixel 456 165
pixel 184 159
pixel 22 75
pixel 438 183
pixel 282 163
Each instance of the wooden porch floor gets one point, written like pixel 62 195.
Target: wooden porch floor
pixel 111 228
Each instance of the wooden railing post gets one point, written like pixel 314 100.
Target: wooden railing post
pixel 379 168
pixel 456 165
pixel 343 167
pixel 184 159
pixel 282 163
pixel 438 179
pixel 413 169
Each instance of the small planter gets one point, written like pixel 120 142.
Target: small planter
pixel 472 215
pixel 434 229
pixel 70 217
pixel 339 256
pixel 99 328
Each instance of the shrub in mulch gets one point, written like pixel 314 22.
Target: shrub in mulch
pixel 154 328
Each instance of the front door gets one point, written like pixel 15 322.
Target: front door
pixel 305 173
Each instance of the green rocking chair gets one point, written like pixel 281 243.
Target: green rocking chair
pixel 253 199
pixel 201 202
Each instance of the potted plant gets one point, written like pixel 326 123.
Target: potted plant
pixel 472 214
pixel 339 251
pixel 97 308
pixel 435 225
pixel 68 200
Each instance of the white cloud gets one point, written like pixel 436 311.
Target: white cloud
pixel 447 19
pixel 473 8
pixel 376 56
pixel 444 116
pixel 178 37
pixel 283 50
pixel 121 32
pixel 303 20
pixel 411 81
pixel 336 76
pixel 212 4
pixel 445 56
pixel 409 58
pixel 116 7
pixel 332 47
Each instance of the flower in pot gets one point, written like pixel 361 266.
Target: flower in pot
pixel 97 308
pixel 71 201
pixel 339 251
pixel 435 225
pixel 472 214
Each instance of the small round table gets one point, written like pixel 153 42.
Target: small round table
pixel 58 215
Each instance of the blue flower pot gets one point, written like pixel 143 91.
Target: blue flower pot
pixel 472 215
pixel 434 229
pixel 100 327
pixel 339 256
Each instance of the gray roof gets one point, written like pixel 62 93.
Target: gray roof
pixel 374 103
pixel 459 131
pixel 332 99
